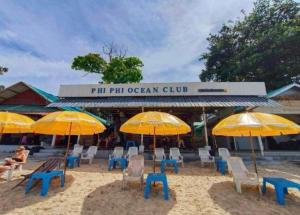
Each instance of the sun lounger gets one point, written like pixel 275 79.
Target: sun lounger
pixel 89 154
pixel 176 155
pixel 49 165
pixel 159 154
pixel 135 170
pixel 240 173
pixel 205 157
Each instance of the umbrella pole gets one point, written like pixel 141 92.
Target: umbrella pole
pixel 154 146
pixel 254 161
pixel 68 147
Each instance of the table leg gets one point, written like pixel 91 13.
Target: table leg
pixel 147 189
pixel 264 189
pixel 279 195
pixel 45 185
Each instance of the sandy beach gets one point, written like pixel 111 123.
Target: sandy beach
pixel 92 189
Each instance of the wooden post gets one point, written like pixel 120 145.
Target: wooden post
pixel 205 126
pixel 253 154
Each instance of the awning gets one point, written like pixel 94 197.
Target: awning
pixel 165 101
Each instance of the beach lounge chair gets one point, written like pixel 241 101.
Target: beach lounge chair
pixel 240 173
pixel 16 166
pixel 117 153
pixel 90 154
pixel 159 154
pixel 224 154
pixel 141 149
pixel 133 150
pixel 135 170
pixel 207 148
pixel 77 150
pixel 175 155
pixel 49 165
pixel 205 157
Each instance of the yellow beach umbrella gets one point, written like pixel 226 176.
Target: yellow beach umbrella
pixel 255 124
pixel 68 123
pixel 155 123
pixel 14 123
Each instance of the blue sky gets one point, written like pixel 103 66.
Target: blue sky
pixel 39 38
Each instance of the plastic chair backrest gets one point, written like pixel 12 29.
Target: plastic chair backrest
pixel 203 153
pixel 224 153
pixel 238 167
pixel 118 152
pixel 141 148
pixel 136 165
pixel 92 150
pixel 159 153
pixel 77 150
pixel 175 152
pixel 133 150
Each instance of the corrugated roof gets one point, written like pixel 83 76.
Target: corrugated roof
pixel 282 90
pixel 166 101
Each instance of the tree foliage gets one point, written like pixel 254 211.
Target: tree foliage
pixel 116 69
pixel 3 70
pixel 263 46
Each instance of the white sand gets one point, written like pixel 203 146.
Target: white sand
pixel 195 190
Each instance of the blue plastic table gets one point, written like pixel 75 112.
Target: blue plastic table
pixel 281 187
pixel 164 162
pixel 71 160
pixel 113 161
pixel 130 143
pixel 156 177
pixel 46 178
pixel 221 166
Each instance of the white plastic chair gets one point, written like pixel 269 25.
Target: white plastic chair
pixel 207 148
pixel 77 150
pixel 241 175
pixel 133 150
pixel 117 153
pixel 205 157
pixel 141 149
pixel 176 155
pixel 159 154
pixel 90 154
pixel 135 170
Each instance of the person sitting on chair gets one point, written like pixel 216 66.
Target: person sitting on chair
pixel 19 157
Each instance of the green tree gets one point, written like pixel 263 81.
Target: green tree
pixel 263 46
pixel 3 70
pixel 116 69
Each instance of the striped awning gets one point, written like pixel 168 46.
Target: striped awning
pixel 166 101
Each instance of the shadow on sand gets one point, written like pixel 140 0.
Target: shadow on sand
pixel 20 199
pixel 111 199
pixel 250 202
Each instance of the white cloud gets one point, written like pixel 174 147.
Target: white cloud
pixel 169 36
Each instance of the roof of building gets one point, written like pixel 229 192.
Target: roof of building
pixel 20 87
pixel 283 89
pixel 165 101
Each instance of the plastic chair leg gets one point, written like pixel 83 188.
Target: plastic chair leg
pixel 28 185
pixel 279 195
pixel 62 180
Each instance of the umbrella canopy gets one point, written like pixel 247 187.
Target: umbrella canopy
pixel 15 123
pixel 68 123
pixel 155 123
pixel 255 124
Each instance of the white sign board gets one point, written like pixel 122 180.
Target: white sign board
pixel 164 89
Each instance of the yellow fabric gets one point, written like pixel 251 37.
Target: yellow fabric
pixel 255 124
pixel 162 123
pixel 15 123
pixel 68 122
